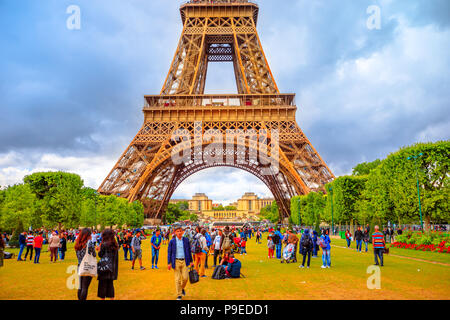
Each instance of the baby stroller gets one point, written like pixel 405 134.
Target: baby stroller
pixel 288 253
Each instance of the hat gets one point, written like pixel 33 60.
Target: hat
pixel 177 226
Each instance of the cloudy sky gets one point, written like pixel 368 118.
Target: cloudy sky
pixel 71 99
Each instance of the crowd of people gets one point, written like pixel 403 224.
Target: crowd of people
pixel 188 249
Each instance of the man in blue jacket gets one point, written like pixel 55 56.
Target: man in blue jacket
pixel 22 243
pixel 179 258
pixel 279 243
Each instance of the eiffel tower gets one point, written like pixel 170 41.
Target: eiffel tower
pixel 217 31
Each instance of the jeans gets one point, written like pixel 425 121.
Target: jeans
pixel 278 251
pixel 125 253
pixel 378 252
pixel 53 253
pixel 29 249
pixel 37 254
pixel 348 243
pixel 367 245
pixel 243 250
pixel 326 257
pixel 358 245
pixel 19 257
pixel 62 254
pixel 304 257
pixel 155 256
pixel 314 249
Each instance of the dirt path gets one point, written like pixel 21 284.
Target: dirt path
pixel 403 257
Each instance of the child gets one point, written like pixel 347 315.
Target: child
pixel 271 247
pixel 243 244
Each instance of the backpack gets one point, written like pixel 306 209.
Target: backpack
pixel 306 242
pixel 322 243
pixel 219 273
pixel 226 245
pixel 196 246
pixel 276 239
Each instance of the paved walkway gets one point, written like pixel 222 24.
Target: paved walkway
pixel 403 257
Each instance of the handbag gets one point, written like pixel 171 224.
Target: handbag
pixel 386 251
pixel 193 276
pixel 88 266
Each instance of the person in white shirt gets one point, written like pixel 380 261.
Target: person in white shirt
pixel 216 244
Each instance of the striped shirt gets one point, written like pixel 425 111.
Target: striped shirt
pixel 378 239
pixel 30 239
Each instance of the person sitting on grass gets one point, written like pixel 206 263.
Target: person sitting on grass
pixel 136 248
pixel 233 269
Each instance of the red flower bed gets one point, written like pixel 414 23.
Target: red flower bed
pixel 442 248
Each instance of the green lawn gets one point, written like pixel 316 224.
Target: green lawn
pixel 265 279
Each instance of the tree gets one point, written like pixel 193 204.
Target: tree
pixel 270 213
pixel 59 195
pixel 18 208
pixel 364 168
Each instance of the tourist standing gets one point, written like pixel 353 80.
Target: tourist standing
pixel 226 241
pixel 62 246
pixel 216 246
pixel 348 237
pixel 30 238
pixel 53 245
pixel 306 246
pixel 326 254
pixel 156 241
pixel 136 248
pixel 200 249
pixel 108 265
pixel 315 245
pixel 366 238
pixel 270 247
pixel 277 241
pixel 82 243
pixel 37 245
pixel 359 238
pixel 293 239
pixel 22 244
pixel 2 250
pixel 244 246
pixel 378 243
pixel 179 258
pixel 208 244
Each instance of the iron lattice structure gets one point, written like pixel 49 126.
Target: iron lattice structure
pixel 216 31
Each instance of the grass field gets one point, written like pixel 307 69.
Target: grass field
pixel 401 278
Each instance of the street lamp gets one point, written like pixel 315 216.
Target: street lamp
pixel 332 224
pixel 415 157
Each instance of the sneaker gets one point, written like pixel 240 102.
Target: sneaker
pixel 179 298
pixel 308 267
pixel 142 268
pixel 153 267
pixel 323 267
pixel 203 277
pixel 156 267
pixel 328 266
pixel 132 268
pixel 183 292
pixel 301 267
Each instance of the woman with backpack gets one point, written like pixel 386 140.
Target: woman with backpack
pixel 82 243
pixel 306 246
pixel 108 265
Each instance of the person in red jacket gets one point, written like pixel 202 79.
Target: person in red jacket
pixel 37 244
